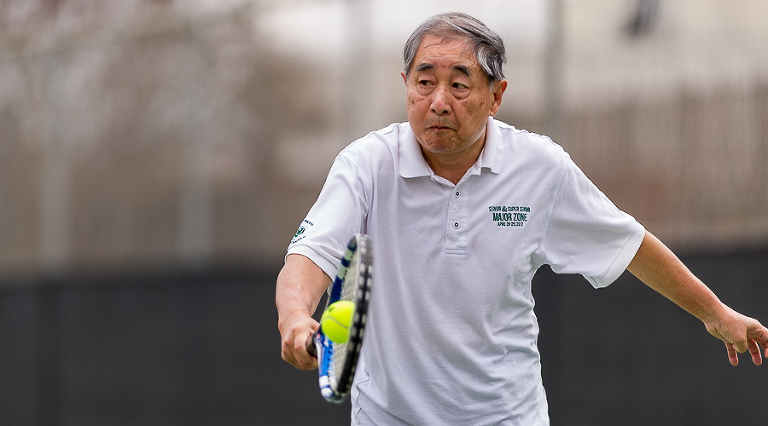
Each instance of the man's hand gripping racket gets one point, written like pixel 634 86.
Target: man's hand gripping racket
pixel 336 362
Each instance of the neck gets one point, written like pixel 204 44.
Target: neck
pixel 454 167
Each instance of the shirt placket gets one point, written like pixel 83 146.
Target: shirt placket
pixel 457 223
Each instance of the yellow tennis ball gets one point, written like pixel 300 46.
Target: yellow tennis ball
pixel 336 319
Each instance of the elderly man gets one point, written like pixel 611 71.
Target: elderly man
pixel 463 210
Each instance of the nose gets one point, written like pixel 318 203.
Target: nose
pixel 441 104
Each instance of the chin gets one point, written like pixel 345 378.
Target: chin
pixel 441 150
pixel 439 140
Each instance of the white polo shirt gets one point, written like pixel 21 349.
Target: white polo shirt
pixel 452 333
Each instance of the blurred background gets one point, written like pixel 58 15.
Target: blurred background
pixel 156 157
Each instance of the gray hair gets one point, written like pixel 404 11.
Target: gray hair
pixel 486 45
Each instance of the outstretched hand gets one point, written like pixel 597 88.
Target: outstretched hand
pixel 740 334
pixel 659 268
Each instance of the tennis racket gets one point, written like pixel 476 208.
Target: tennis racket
pixel 337 361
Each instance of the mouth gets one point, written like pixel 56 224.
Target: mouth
pixel 439 127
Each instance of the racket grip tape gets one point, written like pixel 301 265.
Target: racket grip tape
pixel 311 344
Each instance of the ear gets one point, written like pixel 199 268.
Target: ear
pixel 405 77
pixel 498 93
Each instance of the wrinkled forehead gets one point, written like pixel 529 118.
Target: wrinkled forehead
pixel 454 53
pixel 437 47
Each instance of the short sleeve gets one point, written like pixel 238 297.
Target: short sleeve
pixel 586 233
pixel 338 213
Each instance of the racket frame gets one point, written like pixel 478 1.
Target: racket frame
pixel 336 382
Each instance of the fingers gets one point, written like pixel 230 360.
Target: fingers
pixel 733 356
pixel 304 360
pixel 295 331
pixel 758 339
pixel 740 335
pixel 760 335
pixel 294 351
pixel 754 350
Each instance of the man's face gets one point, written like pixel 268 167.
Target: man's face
pixel 449 99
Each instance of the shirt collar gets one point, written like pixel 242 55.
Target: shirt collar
pixel 412 163
pixel 493 152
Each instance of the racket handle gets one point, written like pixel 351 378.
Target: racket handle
pixel 311 345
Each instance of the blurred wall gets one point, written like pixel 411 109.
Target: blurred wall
pixel 189 134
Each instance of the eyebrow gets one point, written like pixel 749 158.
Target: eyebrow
pixel 460 68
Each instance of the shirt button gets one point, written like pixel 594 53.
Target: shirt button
pixel 457 194
pixel 456 225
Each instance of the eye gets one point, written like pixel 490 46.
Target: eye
pixel 425 86
pixel 460 90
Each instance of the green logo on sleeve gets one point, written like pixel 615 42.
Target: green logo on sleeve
pixel 305 224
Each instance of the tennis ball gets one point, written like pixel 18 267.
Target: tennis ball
pixel 336 319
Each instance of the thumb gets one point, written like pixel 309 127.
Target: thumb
pixel 737 343
pixel 740 345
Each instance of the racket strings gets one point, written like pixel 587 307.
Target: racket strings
pixel 348 292
pixel 352 283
